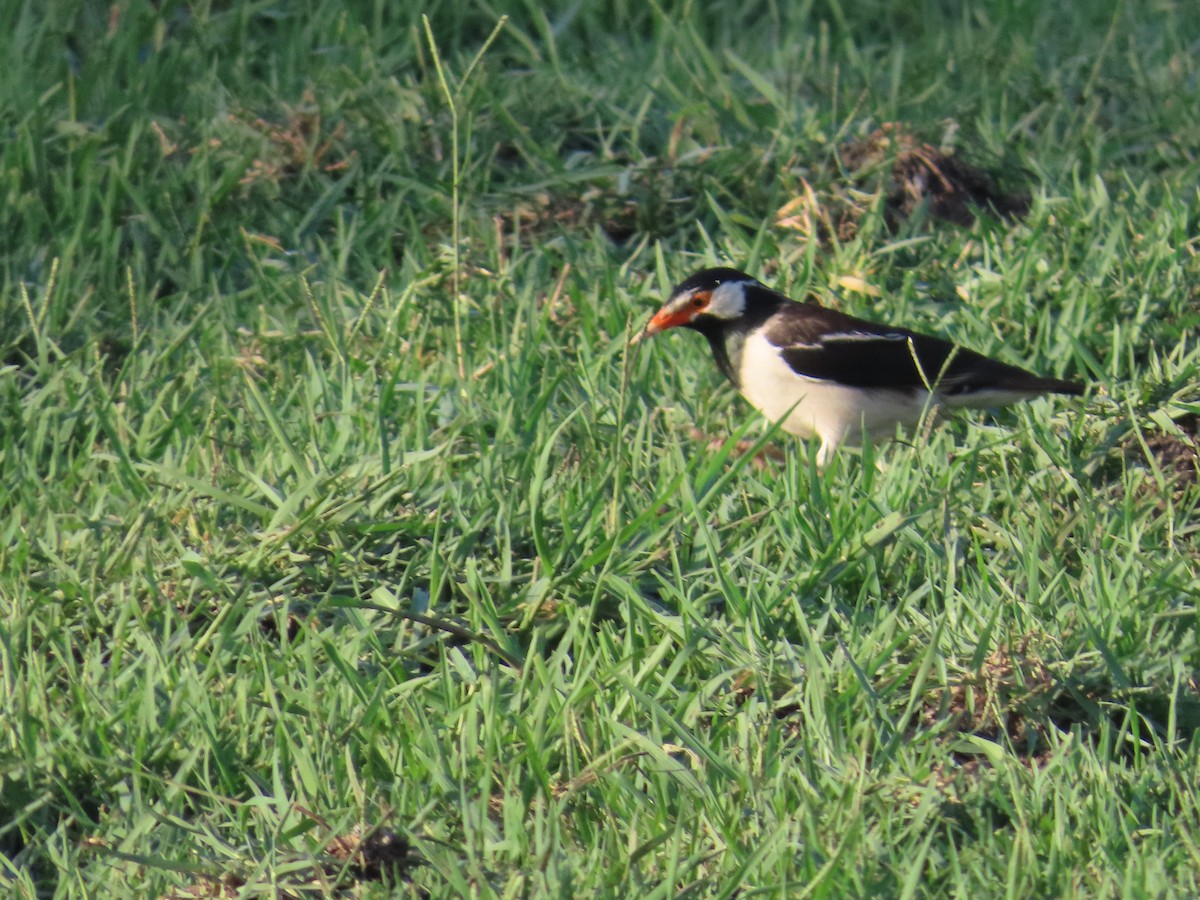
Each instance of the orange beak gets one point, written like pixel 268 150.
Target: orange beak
pixel 672 316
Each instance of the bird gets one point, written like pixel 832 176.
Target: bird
pixel 825 374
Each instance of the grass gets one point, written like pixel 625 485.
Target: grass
pixel 279 561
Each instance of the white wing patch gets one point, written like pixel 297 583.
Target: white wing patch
pixel 858 337
pixel 843 337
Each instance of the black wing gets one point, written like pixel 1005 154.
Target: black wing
pixel 832 346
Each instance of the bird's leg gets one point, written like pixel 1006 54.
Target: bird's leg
pixel 826 450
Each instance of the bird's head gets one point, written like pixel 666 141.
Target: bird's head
pixel 707 299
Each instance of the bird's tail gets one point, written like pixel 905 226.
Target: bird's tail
pixel 1038 385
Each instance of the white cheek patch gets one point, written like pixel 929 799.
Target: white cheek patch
pixel 728 301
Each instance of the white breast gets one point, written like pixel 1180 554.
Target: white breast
pixel 810 406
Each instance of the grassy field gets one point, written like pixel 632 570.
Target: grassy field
pixel 348 551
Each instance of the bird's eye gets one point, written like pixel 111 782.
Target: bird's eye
pixel 698 302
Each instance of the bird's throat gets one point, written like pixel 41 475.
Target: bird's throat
pixel 726 347
pixel 726 337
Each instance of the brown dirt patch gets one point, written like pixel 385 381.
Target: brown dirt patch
pixel 295 141
pixel 369 855
pixel 346 863
pixel 1176 455
pixel 911 175
pixel 1006 700
pixel 651 199
pixel 534 216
